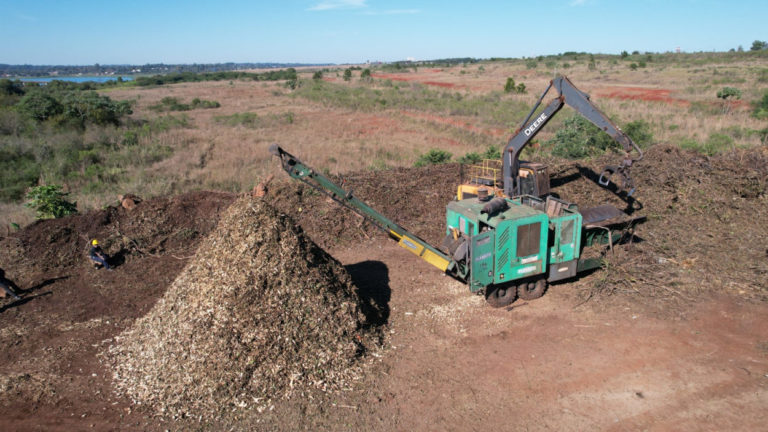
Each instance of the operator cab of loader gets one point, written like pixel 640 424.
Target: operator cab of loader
pixel 534 179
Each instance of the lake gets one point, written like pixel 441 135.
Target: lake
pixel 79 79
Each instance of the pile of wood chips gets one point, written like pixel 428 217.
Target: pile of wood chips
pixel 260 313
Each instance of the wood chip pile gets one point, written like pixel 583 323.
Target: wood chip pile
pixel 260 313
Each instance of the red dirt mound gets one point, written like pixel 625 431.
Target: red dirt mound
pixel 641 93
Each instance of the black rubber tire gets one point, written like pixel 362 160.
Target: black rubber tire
pixel 532 290
pixel 500 296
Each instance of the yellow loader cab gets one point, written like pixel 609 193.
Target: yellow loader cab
pixel 488 175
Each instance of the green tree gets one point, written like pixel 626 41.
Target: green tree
pixel 39 105
pixel 347 74
pixel 90 107
pixel 365 74
pixel 759 45
pixel 50 202
pixel 317 75
pixel 624 54
pixel 11 88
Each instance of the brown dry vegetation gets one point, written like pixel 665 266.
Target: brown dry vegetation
pixel 679 103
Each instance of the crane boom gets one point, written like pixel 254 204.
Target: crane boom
pixel 298 170
pixel 578 100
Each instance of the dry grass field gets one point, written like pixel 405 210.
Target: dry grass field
pixel 342 126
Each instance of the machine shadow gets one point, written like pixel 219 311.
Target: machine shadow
pixel 372 281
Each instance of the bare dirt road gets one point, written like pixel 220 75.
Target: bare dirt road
pixel 456 364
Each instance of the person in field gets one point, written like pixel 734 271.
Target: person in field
pixel 8 286
pixel 98 256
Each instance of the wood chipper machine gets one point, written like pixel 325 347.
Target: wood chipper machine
pixel 512 240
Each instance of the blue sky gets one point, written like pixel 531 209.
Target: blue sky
pixel 354 31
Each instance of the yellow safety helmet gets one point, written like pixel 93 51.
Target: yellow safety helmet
pixel 94 242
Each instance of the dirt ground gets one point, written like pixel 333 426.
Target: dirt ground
pixel 653 342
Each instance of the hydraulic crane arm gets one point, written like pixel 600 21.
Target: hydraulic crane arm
pixel 298 170
pixel 578 100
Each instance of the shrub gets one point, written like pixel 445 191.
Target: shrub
pixel 579 138
pixel 509 87
pixel 760 108
pixel 726 94
pixel 470 158
pixel 18 171
pixel 492 152
pixel 531 64
pixel 293 83
pixel 365 75
pixel 762 76
pixel 433 157
pixel 50 202
pixel 347 74
pixel 640 132
pixel 173 104
pixel 729 92
pixel 714 144
pixel 317 75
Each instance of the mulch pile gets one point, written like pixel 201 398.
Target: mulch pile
pixel 260 313
pixel 704 227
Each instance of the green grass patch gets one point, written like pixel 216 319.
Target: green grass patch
pixel 255 121
pixel 173 104
pixel 494 108
pixel 714 144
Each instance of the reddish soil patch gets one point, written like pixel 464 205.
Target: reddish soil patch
pixel 641 93
pixel 370 125
pixel 418 79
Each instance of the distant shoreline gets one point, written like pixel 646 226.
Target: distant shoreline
pixel 77 79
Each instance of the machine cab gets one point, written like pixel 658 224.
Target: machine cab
pixel 534 179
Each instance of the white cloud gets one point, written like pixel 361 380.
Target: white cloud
pixel 393 12
pixel 338 4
